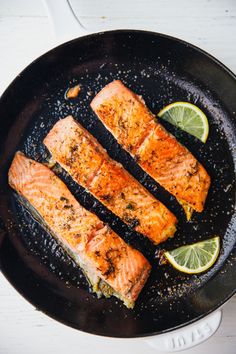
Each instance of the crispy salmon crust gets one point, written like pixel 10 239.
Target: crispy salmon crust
pixel 158 152
pixel 106 259
pixel 80 154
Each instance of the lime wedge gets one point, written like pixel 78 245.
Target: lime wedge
pixel 187 117
pixel 195 258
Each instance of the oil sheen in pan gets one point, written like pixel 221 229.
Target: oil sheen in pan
pixel 165 283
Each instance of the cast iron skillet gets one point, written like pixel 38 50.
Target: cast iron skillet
pixel 163 70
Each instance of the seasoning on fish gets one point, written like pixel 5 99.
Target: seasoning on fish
pixel 80 154
pixel 111 266
pixel 168 162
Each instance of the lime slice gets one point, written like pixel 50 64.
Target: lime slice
pixel 187 117
pixel 195 258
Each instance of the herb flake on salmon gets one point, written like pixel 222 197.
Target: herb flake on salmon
pixel 80 154
pixel 158 152
pixel 111 266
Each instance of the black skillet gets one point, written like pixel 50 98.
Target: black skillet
pixel 163 70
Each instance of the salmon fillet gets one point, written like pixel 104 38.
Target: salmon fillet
pixel 80 154
pixel 158 152
pixel 111 266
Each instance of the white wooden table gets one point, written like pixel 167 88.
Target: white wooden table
pixel 25 33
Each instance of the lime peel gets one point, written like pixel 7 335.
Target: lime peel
pixel 195 258
pixel 187 117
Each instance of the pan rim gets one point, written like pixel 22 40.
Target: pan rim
pixel 129 32
pixel 84 38
pixel 146 335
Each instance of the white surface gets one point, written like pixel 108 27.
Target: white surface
pixel 25 33
pixel 188 336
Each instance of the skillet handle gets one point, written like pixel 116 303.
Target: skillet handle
pixel 66 25
pixel 188 336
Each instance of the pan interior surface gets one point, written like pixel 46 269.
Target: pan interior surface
pixel 163 70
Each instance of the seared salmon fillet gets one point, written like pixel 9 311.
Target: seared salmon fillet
pixel 80 154
pixel 111 266
pixel 158 152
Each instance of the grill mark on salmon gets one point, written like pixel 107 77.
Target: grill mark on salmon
pixel 112 267
pixel 80 154
pixel 158 152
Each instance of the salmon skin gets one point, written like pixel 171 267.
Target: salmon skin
pixel 80 154
pixel 159 154
pixel 111 266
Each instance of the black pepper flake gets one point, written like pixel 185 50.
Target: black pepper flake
pixel 111 255
pixel 130 206
pixel 129 148
pixel 67 226
pixel 110 270
pixel 106 197
pixel 73 148
pixel 97 253
pixel 63 199
pixel 67 206
pixel 122 195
